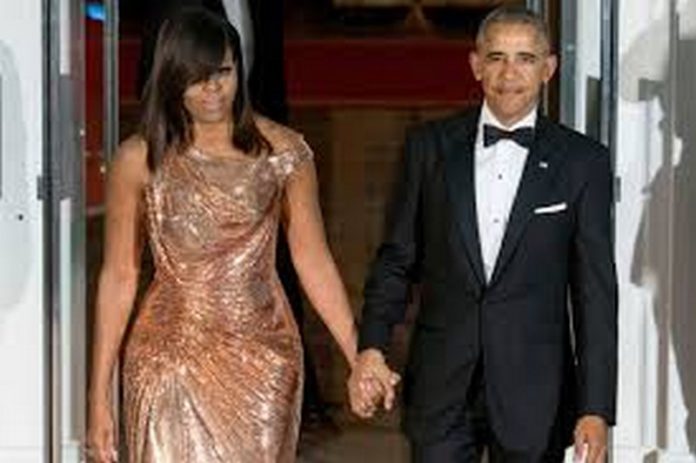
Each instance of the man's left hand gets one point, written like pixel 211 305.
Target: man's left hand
pixel 591 439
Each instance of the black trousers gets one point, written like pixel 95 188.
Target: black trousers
pixel 472 434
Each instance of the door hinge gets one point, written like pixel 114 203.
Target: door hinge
pixel 617 189
pixel 41 188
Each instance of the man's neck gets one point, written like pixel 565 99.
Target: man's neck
pixel 526 119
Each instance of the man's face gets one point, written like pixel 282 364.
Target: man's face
pixel 512 63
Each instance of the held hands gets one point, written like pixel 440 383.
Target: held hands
pixel 370 383
pixel 101 445
pixel 591 439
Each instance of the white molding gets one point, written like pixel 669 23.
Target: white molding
pixel 71 452
pixel 641 454
pixel 21 455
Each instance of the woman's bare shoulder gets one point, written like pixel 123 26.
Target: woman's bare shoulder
pixel 133 148
pixel 130 161
pixel 281 137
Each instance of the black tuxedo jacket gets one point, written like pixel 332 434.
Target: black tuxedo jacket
pixel 544 327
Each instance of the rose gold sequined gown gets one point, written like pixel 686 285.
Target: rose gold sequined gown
pixel 213 364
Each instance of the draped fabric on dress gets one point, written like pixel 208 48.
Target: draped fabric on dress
pixel 213 363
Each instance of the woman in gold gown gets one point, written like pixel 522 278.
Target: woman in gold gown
pixel 212 367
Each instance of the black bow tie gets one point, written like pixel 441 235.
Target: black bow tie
pixel 522 136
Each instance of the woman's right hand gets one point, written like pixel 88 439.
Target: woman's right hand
pixel 101 444
pixel 371 381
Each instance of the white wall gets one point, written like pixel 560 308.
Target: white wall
pixel 655 222
pixel 21 286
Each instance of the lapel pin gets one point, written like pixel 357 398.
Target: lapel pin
pixel 544 165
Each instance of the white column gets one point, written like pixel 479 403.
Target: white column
pixel 587 69
pixel 239 15
pixel 588 54
pixel 71 239
pixel 655 221
pixel 22 389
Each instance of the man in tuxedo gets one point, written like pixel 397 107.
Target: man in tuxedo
pixel 504 218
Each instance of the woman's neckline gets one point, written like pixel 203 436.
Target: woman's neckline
pixel 199 153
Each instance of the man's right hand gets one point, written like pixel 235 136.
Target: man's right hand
pixel 371 382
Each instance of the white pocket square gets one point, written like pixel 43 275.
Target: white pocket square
pixel 551 209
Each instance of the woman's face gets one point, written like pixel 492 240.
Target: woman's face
pixel 210 101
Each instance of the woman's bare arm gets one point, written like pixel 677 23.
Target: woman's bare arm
pixel 313 261
pixel 118 278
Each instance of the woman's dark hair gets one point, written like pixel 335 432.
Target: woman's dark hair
pixel 190 48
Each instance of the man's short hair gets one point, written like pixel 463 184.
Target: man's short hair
pixel 513 15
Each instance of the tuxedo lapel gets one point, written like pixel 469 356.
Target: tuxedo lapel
pixel 539 171
pixel 459 176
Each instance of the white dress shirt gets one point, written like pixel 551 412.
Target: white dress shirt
pixel 239 15
pixel 497 173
